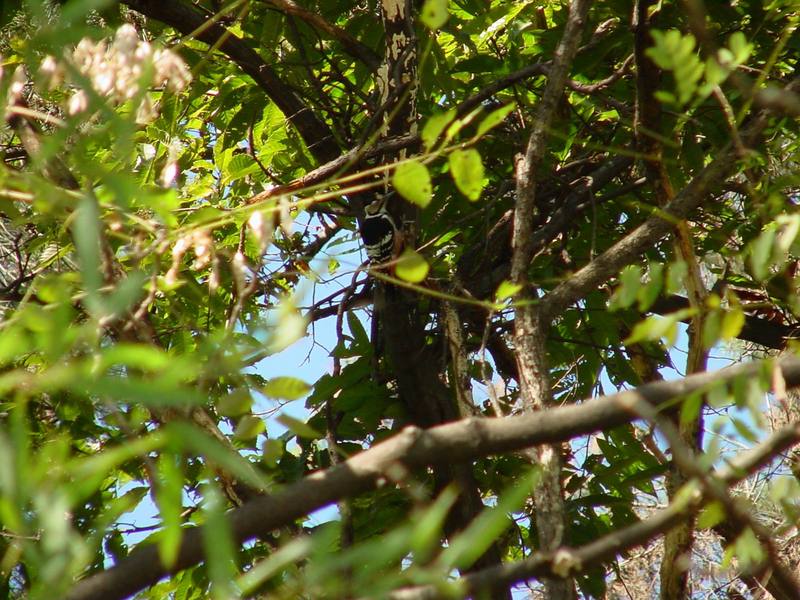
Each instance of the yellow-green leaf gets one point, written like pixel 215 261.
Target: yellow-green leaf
pixel 413 182
pixel 249 427
pixel 291 326
pixel 494 118
pixel 412 266
pixel 286 388
pixel 732 323
pixel 434 13
pixel 712 514
pixel 298 427
pixel 234 404
pixel 272 451
pixel 467 170
pixel 506 290
pixel 434 127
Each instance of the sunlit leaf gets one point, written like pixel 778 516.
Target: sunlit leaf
pixel 218 544
pixel 711 515
pixel 412 266
pixel 286 388
pixel 249 428
pixel 413 182
pixel 494 118
pixel 298 427
pixel 434 126
pixel 466 168
pixel 434 13
pixel 506 290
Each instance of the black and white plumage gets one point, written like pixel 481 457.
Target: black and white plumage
pixel 379 233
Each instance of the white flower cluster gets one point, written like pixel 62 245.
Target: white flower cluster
pixel 116 70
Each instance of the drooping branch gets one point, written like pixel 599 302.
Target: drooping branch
pixel 413 448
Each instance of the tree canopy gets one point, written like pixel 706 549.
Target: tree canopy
pixel 597 204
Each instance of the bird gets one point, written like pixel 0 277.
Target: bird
pixel 379 232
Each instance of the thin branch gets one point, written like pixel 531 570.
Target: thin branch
pixel 350 45
pixel 608 264
pixel 183 18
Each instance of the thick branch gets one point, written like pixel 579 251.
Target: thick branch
pixel 608 547
pixel 453 442
pixel 530 331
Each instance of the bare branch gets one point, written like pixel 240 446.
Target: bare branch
pixel 530 332
pixel 608 547
pixel 453 442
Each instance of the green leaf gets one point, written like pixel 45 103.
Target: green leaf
pixel 291 326
pixel 630 280
pixel 691 407
pixel 466 168
pixel 241 165
pixel 732 323
pixel 138 356
pixel 412 266
pixel 740 48
pixel 712 325
pixel 214 451
pixel 744 430
pixel 272 451
pixel 413 181
pixel 676 275
pixel 657 327
pixel 718 395
pixel 747 550
pixel 434 127
pixel 249 428
pixel 86 234
pixel 506 290
pixel 471 543
pixel 428 525
pixel 434 13
pixel 298 427
pixel 262 571
pixel 169 497
pixel 236 403
pixel 761 253
pixel 648 293
pixel 712 514
pixel 218 545
pixel 494 118
pixel 128 290
pixel 286 388
pixel 157 392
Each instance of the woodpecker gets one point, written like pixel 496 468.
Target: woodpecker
pixel 382 238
